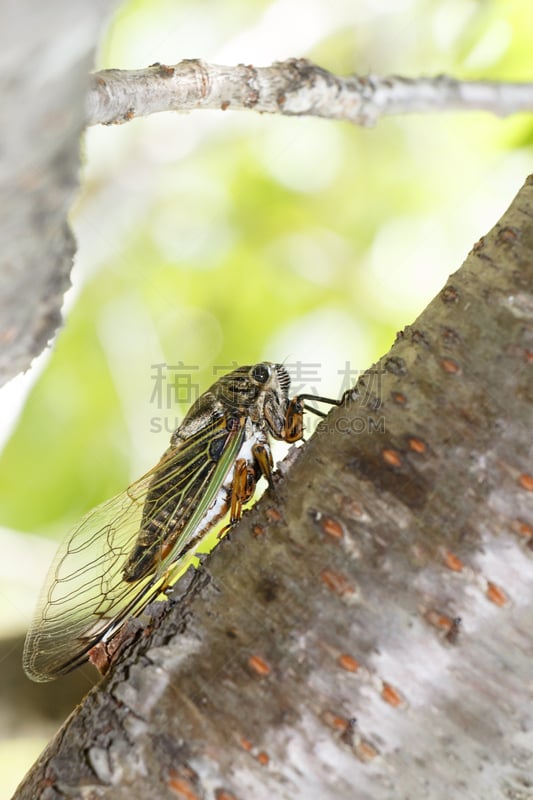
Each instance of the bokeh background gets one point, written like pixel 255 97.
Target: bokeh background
pixel 218 238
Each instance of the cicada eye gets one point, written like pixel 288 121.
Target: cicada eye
pixel 261 373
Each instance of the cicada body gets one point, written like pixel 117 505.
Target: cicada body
pixel 127 551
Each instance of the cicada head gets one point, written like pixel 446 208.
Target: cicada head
pixel 259 391
pixel 275 381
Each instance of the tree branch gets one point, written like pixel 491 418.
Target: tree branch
pixel 366 633
pixel 295 88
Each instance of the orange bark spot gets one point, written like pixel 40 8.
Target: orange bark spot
pixel 258 530
pixel 392 457
pixel 337 582
pixel 528 356
pixel 331 527
pixel 273 515
pixel 349 507
pixel 366 751
pixel 348 663
pixel 416 444
pixel 263 758
pixel 453 562
pixel 182 787
pixel 439 620
pixel 450 366
pixel 335 721
pixel 245 744
pixel 399 398
pixel 523 528
pixel 526 482
pixel 259 666
pixel 496 595
pixel 223 794
pixel 391 696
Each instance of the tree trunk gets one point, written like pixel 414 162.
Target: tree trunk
pixel 46 52
pixel 364 632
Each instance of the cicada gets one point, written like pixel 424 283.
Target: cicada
pixel 127 551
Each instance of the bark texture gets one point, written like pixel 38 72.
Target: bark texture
pixel 365 634
pixel 46 52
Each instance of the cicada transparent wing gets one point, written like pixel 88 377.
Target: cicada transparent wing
pixel 122 554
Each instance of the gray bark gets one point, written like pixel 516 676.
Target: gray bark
pixel 364 633
pixel 46 53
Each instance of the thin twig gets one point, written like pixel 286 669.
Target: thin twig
pixel 295 87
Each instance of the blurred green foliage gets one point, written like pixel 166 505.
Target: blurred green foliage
pixel 217 238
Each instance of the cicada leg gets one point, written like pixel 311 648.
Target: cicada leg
pixel 242 488
pixel 294 421
pixel 245 477
pixel 264 462
pixel 294 416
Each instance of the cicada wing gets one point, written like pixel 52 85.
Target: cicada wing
pixel 85 597
pixel 183 488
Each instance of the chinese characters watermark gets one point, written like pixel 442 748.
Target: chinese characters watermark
pixel 178 384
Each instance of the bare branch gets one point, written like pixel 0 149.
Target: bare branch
pixel 295 88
